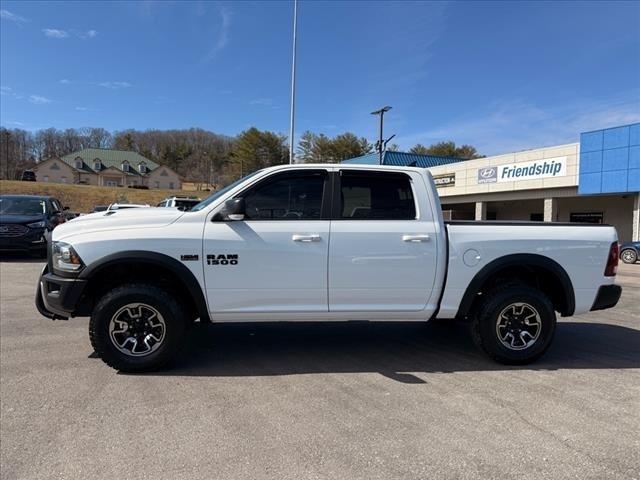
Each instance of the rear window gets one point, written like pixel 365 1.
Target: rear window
pixel 376 196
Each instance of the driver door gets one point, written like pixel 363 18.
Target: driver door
pixel 275 259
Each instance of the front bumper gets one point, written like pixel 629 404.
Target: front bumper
pixel 58 297
pixel 34 239
pixel 608 296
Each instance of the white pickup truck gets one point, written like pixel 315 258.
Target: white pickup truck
pixel 321 242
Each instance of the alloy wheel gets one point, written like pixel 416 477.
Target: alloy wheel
pixel 628 256
pixel 518 326
pixel 137 329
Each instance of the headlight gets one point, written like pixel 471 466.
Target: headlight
pixel 65 257
pixel 40 224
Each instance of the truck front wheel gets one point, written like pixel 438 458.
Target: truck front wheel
pixel 514 325
pixel 137 327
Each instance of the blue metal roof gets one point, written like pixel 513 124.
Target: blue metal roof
pixel 403 159
pixel 368 159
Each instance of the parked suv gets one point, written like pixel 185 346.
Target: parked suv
pixel 25 219
pixel 181 203
pixel 28 176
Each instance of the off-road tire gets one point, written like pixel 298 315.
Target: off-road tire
pixel 484 324
pixel 174 317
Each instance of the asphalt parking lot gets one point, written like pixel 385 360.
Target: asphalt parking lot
pixel 298 401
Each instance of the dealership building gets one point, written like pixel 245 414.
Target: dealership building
pixel 596 180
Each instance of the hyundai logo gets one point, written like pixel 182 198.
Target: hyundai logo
pixel 487 172
pixel 488 175
pixel 4 229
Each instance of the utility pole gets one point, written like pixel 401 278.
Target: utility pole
pixel 293 80
pixel 7 135
pixel 208 163
pixel 380 143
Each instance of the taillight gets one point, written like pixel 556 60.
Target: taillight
pixel 612 261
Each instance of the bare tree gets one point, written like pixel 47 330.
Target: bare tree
pixel 100 138
pixel 15 153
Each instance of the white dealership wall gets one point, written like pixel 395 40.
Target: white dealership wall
pixel 467 172
pixel 548 195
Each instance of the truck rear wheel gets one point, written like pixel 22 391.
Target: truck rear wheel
pixel 137 327
pixel 514 325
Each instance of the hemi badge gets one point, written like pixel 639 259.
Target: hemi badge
pixel 189 258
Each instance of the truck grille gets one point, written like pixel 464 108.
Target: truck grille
pixel 12 230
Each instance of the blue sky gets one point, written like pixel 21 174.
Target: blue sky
pixel 501 76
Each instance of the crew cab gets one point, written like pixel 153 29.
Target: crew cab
pixel 321 242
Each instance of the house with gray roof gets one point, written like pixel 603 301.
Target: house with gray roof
pixel 107 168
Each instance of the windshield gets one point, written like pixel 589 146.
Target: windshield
pixel 216 195
pixel 22 206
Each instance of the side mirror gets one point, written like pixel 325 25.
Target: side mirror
pixel 233 209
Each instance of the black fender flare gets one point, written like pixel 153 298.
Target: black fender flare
pixel 519 260
pixel 185 275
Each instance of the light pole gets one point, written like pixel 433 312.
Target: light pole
pixel 380 142
pixel 7 135
pixel 293 79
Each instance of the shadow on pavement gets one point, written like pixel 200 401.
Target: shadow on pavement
pixel 391 349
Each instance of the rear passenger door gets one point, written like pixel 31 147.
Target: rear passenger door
pixel 382 253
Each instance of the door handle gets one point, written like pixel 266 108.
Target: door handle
pixel 415 238
pixel 305 238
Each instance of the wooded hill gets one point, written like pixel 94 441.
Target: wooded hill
pixel 197 155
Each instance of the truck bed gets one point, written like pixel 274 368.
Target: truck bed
pixel 579 249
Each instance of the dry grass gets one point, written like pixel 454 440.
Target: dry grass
pixel 82 198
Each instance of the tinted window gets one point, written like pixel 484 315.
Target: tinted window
pixel 290 197
pixel 376 196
